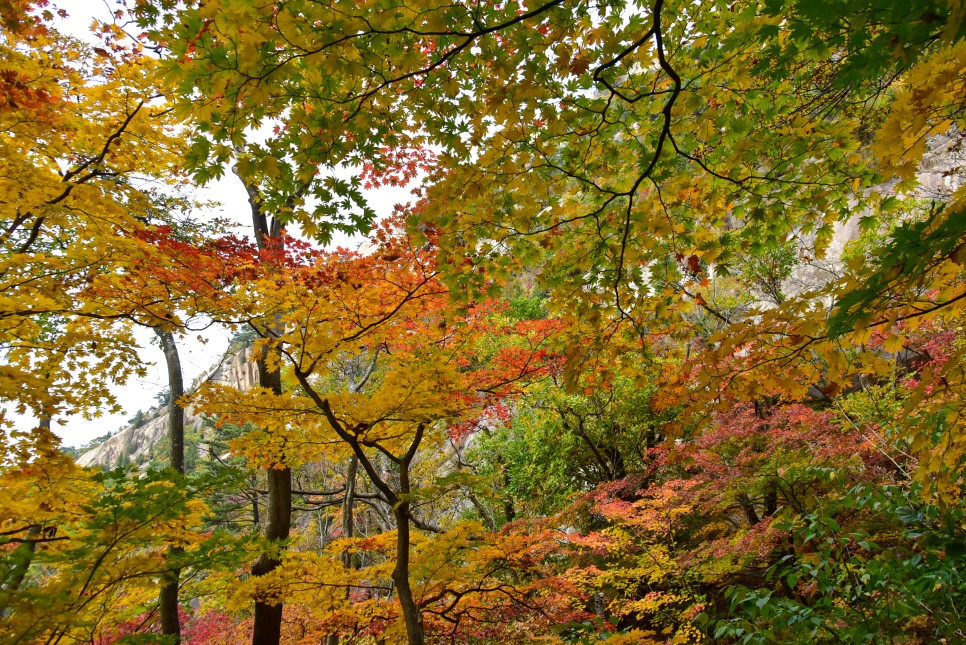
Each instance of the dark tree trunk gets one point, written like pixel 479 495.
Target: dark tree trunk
pixel 168 597
pixel 348 507
pixel 268 615
pixel 400 576
pixel 748 507
pixel 256 519
pixel 348 524
pixel 771 498
pixel 618 467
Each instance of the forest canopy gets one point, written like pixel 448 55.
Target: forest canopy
pixel 666 345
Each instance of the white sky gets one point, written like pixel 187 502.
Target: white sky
pixel 196 357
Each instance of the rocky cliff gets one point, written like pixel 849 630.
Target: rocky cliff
pixel 134 443
pixel 941 173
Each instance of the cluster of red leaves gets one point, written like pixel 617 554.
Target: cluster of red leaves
pixel 28 18
pixel 691 505
pixel 212 627
pixel 398 167
pixel 214 263
pixel 164 272
pixel 742 443
pixel 495 415
pixel 231 252
pixel 18 93
pixel 927 349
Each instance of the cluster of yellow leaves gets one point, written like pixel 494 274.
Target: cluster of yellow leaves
pixel 391 317
pixel 82 138
pixel 634 552
pixel 931 100
pixel 459 578
pixel 286 429
pixel 854 329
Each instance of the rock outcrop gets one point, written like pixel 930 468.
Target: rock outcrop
pixel 134 443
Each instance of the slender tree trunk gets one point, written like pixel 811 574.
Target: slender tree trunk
pixel 256 519
pixel 744 501
pixel 357 377
pixel 483 511
pixel 618 467
pixel 268 615
pixel 348 507
pixel 348 524
pixel 400 508
pixel 176 387
pixel 400 576
pixel 168 598
pixel 771 498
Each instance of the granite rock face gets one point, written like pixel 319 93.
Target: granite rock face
pixel 135 442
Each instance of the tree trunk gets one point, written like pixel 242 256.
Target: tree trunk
pixel 268 614
pixel 22 556
pixel 400 508
pixel 168 597
pixel 176 387
pixel 256 519
pixel 400 576
pixel 771 498
pixel 744 501
pixel 348 507
pixel 348 524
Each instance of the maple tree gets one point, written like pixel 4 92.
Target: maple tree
pixel 85 143
pixel 91 158
pixel 590 133
pixel 420 366
pixel 136 291
pixel 747 137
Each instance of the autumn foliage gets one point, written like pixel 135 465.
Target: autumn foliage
pixel 667 346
